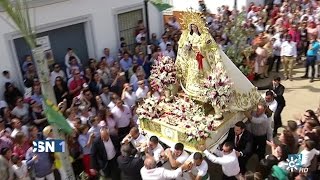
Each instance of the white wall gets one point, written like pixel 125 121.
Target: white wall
pixel 103 17
pixel 181 5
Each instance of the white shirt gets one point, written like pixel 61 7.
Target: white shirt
pixel 272 105
pixel 276 47
pixel 235 139
pixel 140 140
pixel 163 46
pixel 22 171
pixel 182 158
pixel 229 162
pixel 198 170
pixel 111 152
pixel 139 36
pixel 54 75
pixel 111 105
pixel 156 152
pixel 122 117
pixel 289 49
pixel 169 53
pixel 142 93
pixel 24 129
pixel 130 99
pixel 66 59
pixel 307 156
pixel 159 173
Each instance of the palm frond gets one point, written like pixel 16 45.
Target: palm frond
pixel 160 5
pixel 18 11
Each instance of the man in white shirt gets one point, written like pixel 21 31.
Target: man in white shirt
pixel 140 35
pixel 150 171
pixel 56 73
pixel 271 104
pixel 122 115
pixel 69 54
pixel 128 96
pixel 104 155
pixel 199 167
pixel 176 155
pixel 288 55
pixel 142 90
pixel 135 138
pixel 227 158
pixel 17 127
pixel 169 52
pixel 163 44
pixel 155 150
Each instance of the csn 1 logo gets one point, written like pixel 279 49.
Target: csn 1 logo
pixel 52 145
pixel 294 163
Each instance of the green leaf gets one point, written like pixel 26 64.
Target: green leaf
pixel 17 10
pixel 160 5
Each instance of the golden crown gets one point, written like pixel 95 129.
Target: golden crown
pixel 192 17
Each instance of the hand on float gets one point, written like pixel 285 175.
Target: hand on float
pixel 202 148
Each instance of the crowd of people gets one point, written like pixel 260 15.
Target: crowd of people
pixel 99 101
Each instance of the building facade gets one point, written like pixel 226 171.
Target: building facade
pixel 86 26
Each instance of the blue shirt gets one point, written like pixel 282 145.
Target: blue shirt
pixel 83 139
pixel 126 64
pixel 314 50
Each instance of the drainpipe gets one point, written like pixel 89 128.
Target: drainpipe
pixel 147 20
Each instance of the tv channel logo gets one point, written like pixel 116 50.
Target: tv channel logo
pixel 294 163
pixel 49 145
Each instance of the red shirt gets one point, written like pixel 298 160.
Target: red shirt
pixel 74 84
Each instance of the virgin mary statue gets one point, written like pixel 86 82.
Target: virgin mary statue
pixel 199 56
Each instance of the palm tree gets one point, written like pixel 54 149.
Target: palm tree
pixel 19 18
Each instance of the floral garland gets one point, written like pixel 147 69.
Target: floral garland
pixel 163 73
pixel 182 113
pixel 218 86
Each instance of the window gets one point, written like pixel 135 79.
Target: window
pixel 127 23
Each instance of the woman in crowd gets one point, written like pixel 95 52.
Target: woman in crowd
pixel 61 90
pixel 11 92
pixel 21 110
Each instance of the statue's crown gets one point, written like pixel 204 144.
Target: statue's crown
pixel 192 17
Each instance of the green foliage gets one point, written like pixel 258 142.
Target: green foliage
pixel 18 11
pixel 160 5
pixel 238 35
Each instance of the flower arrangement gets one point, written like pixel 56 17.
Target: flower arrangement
pixel 148 109
pixel 163 73
pixel 183 113
pixel 218 86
